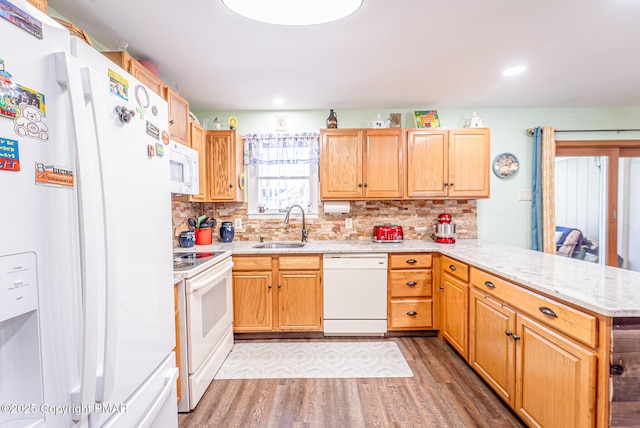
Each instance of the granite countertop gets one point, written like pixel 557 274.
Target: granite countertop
pixel 604 290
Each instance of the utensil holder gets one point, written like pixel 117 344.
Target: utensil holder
pixel 204 236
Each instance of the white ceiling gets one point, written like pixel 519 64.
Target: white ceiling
pixel 389 54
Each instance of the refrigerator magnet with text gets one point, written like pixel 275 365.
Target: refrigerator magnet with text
pixel 55 176
pixel 29 123
pixel 20 18
pixel 9 155
pixel 142 97
pixel 160 149
pixel 165 137
pixel 151 150
pixel 153 130
pixel 118 85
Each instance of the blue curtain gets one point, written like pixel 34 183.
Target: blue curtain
pixel 536 193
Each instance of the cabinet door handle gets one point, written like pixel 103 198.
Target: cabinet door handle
pixel 508 332
pixel 366 185
pixel 515 337
pixel 450 184
pixel 442 287
pixel 269 286
pixel 279 285
pixel 412 313
pixel 446 184
pixel 489 284
pixel 452 267
pixel 411 283
pixel 412 261
pixel 171 122
pixel 547 311
pixel 359 184
pixel 230 185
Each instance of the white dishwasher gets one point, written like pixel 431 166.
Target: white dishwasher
pixel 355 294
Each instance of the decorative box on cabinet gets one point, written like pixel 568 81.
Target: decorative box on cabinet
pixel 178 116
pixel 137 70
pixel 292 303
pixel 361 164
pixel 455 301
pixel 410 296
pixel 40 4
pixel 448 163
pixel 224 166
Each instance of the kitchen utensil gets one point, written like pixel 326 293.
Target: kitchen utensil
pixel 201 219
pixel 192 222
pixel 387 233
pixel 445 230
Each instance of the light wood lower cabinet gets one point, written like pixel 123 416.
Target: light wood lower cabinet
pixel 455 301
pixel 410 295
pixel 176 348
pixel 542 372
pixel 292 303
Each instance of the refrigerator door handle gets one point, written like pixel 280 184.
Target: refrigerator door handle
pixel 171 375
pixel 106 373
pixel 68 76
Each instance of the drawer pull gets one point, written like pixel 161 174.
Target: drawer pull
pixel 508 332
pixel 269 286
pixel 412 313
pixel 452 267
pixel 442 287
pixel 489 284
pixel 279 285
pixel 412 261
pixel 547 311
pixel 515 337
pixel 411 283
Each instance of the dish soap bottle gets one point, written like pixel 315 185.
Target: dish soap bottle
pixel 332 120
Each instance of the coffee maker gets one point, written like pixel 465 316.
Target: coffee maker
pixel 445 230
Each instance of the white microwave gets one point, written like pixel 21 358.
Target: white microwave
pixel 183 163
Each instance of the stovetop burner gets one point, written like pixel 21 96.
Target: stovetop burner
pixel 186 261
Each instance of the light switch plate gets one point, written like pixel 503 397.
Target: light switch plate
pixel 237 223
pixel 348 223
pixel 524 195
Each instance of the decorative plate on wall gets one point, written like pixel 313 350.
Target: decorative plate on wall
pixel 506 165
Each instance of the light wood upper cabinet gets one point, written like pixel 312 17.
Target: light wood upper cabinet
pixel 448 163
pixel 198 140
pixel 362 164
pixel 178 116
pixel 40 4
pixel 224 166
pixel 137 70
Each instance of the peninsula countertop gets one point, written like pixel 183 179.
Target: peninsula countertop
pixel 604 290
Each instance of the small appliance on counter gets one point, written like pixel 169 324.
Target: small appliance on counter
pixel 387 233
pixel 445 230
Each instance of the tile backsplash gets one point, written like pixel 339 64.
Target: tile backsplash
pixel 416 217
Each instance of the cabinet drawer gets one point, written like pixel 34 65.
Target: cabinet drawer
pixel 570 321
pixel 410 261
pixel 410 283
pixel 454 267
pixel 251 263
pixel 399 313
pixel 299 262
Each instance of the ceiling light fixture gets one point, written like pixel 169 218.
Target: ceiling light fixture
pixel 514 70
pixel 294 12
pixel 278 101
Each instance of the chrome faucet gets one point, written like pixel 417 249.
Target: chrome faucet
pixel 286 221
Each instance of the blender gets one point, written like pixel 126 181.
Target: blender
pixel 445 230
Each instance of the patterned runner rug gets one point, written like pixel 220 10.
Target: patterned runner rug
pixel 267 360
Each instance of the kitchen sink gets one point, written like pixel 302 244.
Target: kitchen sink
pixel 272 245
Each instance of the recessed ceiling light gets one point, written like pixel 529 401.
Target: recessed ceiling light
pixel 514 70
pixel 294 12
pixel 278 101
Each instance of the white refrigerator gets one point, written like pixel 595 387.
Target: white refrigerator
pixel 86 285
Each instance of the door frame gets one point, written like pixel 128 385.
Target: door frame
pixel 614 150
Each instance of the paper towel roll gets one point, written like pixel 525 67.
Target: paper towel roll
pixel 333 207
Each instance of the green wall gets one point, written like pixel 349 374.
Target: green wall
pixel 502 218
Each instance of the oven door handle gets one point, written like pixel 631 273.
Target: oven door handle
pixel 206 284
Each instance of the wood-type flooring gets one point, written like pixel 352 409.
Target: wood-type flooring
pixel 443 392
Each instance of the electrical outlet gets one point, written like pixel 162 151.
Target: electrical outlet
pixel 524 195
pixel 348 223
pixel 237 223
